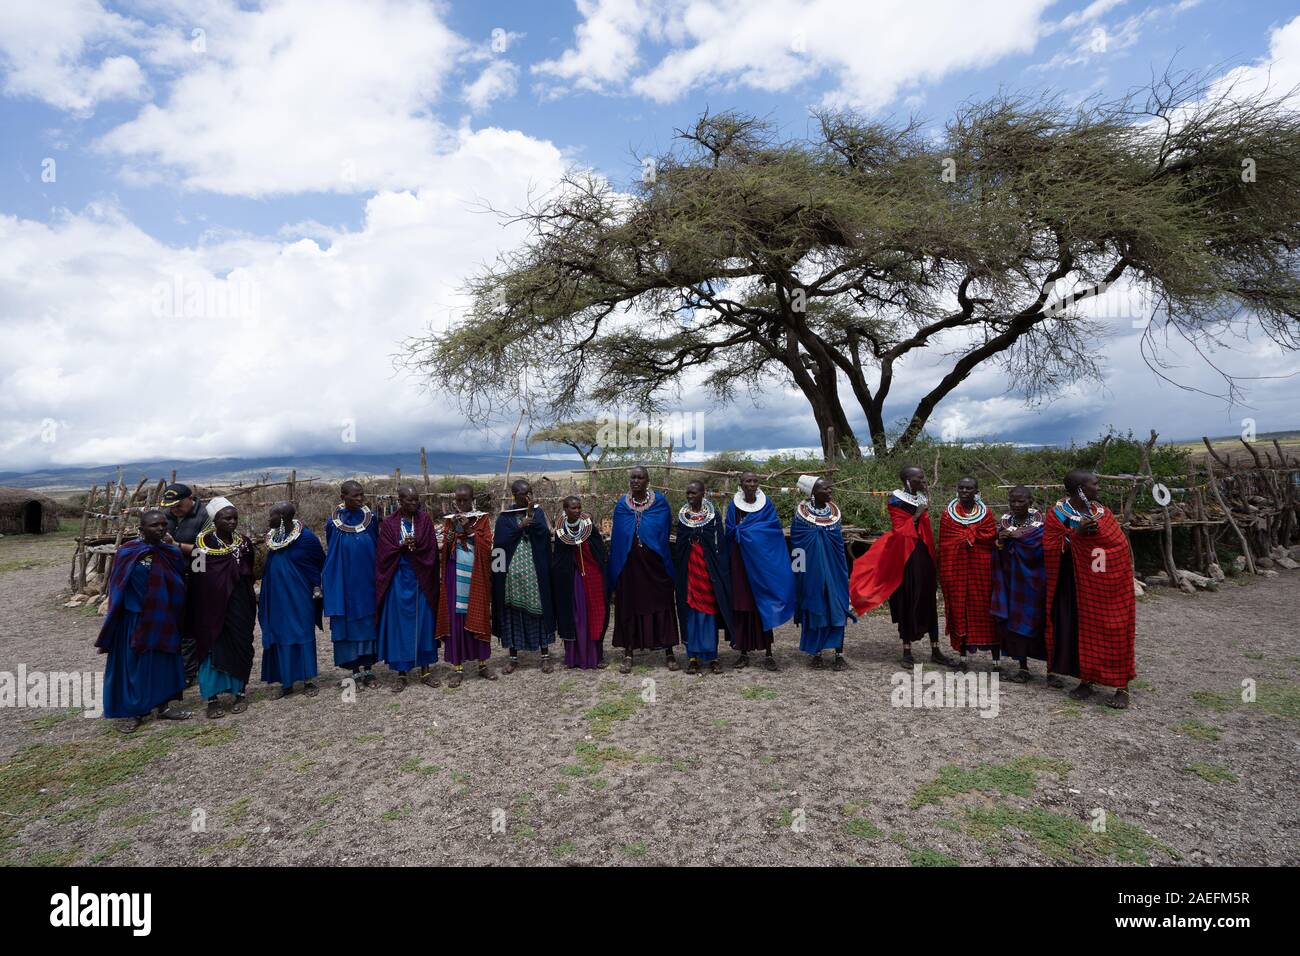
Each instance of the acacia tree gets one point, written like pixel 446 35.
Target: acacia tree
pixel 828 261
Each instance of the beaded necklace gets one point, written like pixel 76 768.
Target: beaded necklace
pixel 576 533
pixel 233 548
pixel 638 509
pixel 975 517
pixel 697 519
pixel 275 542
pixel 1033 518
pixel 822 517
pixel 351 528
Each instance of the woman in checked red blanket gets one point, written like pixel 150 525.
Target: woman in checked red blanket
pixel 1090 607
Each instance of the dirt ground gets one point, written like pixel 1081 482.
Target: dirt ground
pixel 750 767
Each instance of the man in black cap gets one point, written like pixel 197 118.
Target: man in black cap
pixel 186 516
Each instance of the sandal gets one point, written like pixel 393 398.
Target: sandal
pixel 715 666
pixel 1021 676
pixel 430 679
pixel 368 679
pixel 172 712
pixel 693 666
pixel 400 685
pixel 839 664
pixel 769 662
pixel 816 662
pixel 240 704
pixel 310 689
pixel 281 691
pixel 486 674
pixel 455 679
pixel 1054 681
pixel 741 662
pixel 601 664
pixel 511 666
pixel 129 725
pixel 1082 692
pixel 626 666
pixel 1119 700
pixel 215 709
pixel 908 659
pixel 939 657
pixel 672 662
pixel 547 666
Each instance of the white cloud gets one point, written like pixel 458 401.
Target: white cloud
pixel 871 51
pixel 497 80
pixel 48 51
pixel 304 95
pixel 278 341
pixel 1278 73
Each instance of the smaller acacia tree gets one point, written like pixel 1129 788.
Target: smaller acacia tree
pixel 582 436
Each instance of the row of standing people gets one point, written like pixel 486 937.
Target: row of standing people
pixel 1054 586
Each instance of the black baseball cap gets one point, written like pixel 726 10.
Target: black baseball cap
pixel 174 494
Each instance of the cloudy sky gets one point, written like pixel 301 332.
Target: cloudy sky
pixel 219 220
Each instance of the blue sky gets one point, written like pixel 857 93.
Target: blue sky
pixel 308 177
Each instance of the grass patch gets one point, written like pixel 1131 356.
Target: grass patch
pixel 368 738
pixel 91 811
pixel 54 719
pixel 561 788
pixel 459 776
pixel 1279 700
pixel 237 812
pixel 758 692
pixel 135 820
pixel 863 829
pixel 330 799
pixel 1194 728
pixel 928 857
pixel 1018 777
pixel 1066 839
pixel 636 850
pixel 1145 685
pixel 396 813
pixel 599 783
pixel 416 765
pixel 1211 772
pixel 722 723
pixel 563 849
pixel 314 829
pixel 53 857
pixel 110 851
pixel 604 715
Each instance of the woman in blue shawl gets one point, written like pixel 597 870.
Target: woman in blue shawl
pixel 762 583
pixel 1019 597
pixel 822 605
pixel 640 572
pixel 286 608
pixel 141 631
pixel 348 583
pixel 523 612
pixel 703 588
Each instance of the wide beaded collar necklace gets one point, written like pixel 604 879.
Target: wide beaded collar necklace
pixel 275 543
pixel 576 533
pixel 697 519
pixel 757 504
pixel 351 528
pixel 975 517
pixel 822 517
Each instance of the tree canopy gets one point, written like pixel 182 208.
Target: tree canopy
pixel 825 262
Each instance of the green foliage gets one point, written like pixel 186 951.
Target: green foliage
pixel 1017 777
pixel 1194 728
pixel 1211 773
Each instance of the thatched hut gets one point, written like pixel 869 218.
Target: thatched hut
pixel 27 512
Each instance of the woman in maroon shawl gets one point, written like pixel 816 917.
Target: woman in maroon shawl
pixel 406 590
pixel 578 585
pixel 221 608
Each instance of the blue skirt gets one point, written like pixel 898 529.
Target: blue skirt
pixel 287 664
pixel 701 635
pixel 134 684
pixel 355 642
pixel 213 682
pixel 406 629
pixel 814 640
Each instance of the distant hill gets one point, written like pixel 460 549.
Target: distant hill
pixel 223 470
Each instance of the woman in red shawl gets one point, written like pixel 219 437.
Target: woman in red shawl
pixel 900 569
pixel 1090 608
pixel 967 532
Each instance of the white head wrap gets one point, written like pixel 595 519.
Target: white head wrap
pixel 805 484
pixel 215 506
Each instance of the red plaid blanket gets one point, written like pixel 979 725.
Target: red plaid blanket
pixel 478 619
pixel 1103 580
pixel 966 577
